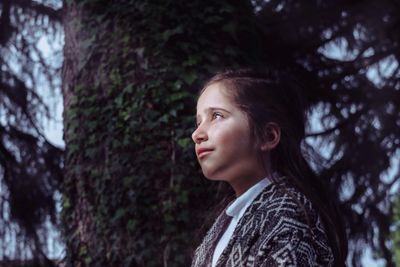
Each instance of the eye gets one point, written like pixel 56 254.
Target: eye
pixel 216 115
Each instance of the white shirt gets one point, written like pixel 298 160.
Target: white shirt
pixel 236 210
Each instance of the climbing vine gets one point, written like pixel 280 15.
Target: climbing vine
pixel 134 195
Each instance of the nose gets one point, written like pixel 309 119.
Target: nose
pixel 199 135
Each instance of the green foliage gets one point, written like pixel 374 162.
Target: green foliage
pixel 134 195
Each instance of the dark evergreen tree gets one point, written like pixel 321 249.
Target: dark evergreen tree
pixel 358 95
pixel 30 166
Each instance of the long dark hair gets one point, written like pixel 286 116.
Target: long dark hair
pixel 275 96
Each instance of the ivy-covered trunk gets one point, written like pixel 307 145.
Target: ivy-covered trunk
pixel 134 195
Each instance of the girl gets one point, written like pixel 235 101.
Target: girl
pixel 249 131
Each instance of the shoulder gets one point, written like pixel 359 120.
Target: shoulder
pixel 284 208
pixel 280 200
pixel 290 228
pixel 284 198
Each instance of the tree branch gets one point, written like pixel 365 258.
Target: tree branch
pixel 40 9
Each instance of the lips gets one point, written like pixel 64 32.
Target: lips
pixel 201 152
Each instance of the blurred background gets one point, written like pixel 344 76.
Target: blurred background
pixel 125 75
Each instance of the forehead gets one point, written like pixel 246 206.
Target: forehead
pixel 214 95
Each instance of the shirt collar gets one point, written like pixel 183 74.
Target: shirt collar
pixel 239 205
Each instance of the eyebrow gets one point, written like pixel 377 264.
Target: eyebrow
pixel 208 110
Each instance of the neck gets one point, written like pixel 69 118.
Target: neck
pixel 242 185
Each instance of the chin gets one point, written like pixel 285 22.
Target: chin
pixel 213 176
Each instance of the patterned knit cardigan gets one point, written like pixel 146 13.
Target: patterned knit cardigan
pixel 279 228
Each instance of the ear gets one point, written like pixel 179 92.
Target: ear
pixel 272 136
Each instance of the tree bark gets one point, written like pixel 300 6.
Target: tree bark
pixel 133 192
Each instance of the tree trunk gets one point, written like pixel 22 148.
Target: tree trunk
pixel 133 192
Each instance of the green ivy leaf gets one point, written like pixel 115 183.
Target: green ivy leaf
pixel 189 77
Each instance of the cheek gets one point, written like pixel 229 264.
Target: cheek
pixel 233 138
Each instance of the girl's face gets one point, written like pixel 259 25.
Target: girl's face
pixel 224 146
